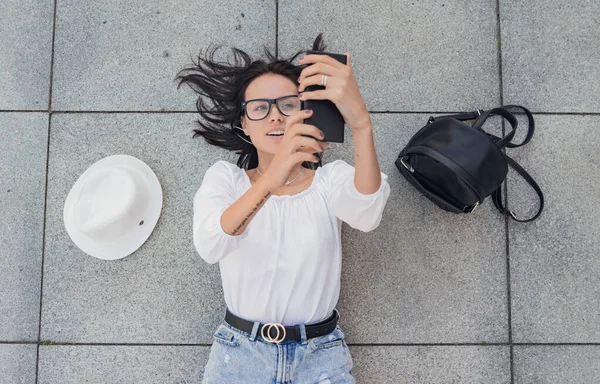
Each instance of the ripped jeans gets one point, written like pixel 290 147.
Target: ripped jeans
pixel 240 357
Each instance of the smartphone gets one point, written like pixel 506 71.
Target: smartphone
pixel 325 115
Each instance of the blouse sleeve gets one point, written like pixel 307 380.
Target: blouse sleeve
pixel 360 211
pixel 214 196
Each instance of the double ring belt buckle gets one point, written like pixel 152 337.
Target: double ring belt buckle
pixel 278 338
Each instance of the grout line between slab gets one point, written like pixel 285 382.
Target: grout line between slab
pixel 349 344
pixel 499 38
pixel 557 344
pixel 37 353
pixel 52 62
pixel 75 344
pixel 24 110
pixel 373 112
pixel 472 344
pixel 506 234
pixel 43 250
pixel 276 28
pixel 508 279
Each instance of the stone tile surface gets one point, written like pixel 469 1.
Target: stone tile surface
pixel 545 364
pixel 23 149
pixel 115 55
pixel 555 261
pixel 17 363
pixel 432 365
pixel 384 364
pixel 25 53
pixel 122 364
pixel 551 54
pixel 162 293
pixel 432 55
pixel 424 275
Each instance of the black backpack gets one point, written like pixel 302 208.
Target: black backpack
pixel 457 166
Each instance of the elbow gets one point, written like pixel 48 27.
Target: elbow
pixel 204 250
pixel 208 244
pixel 365 220
pixel 368 226
pixel 213 244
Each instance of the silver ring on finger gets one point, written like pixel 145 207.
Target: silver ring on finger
pixel 324 80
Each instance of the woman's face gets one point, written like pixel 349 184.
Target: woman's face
pixel 268 86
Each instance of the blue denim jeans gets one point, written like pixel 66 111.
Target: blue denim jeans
pixel 241 357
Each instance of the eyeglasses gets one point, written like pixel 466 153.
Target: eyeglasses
pixel 258 109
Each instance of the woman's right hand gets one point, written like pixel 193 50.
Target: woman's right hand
pixel 294 148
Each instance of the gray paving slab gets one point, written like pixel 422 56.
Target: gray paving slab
pixel 549 364
pixel 185 364
pixel 425 275
pixel 115 55
pixel 429 55
pixel 450 284
pixel 551 54
pixel 17 363
pixel 409 365
pixel 25 56
pixel 162 293
pixel 122 364
pixel 23 149
pixel 555 261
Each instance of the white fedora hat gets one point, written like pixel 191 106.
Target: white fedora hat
pixel 113 207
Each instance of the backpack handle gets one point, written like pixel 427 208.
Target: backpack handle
pixel 480 116
pixel 500 142
pixel 508 115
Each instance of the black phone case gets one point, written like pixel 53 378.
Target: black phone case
pixel 325 115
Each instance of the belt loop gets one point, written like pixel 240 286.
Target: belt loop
pixel 254 330
pixel 303 339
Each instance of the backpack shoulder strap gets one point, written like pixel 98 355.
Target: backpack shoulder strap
pixel 497 194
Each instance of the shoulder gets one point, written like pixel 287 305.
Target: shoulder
pixel 335 172
pixel 336 167
pixel 223 166
pixel 339 163
pixel 223 172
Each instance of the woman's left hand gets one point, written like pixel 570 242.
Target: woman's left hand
pixel 341 88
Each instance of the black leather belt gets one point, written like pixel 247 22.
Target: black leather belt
pixel 276 333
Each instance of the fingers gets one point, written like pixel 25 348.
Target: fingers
pixel 306 129
pixel 303 143
pixel 297 117
pixel 320 94
pixel 310 59
pixel 320 68
pixel 303 138
pixel 313 80
pixel 300 157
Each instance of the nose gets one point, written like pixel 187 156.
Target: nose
pixel 274 113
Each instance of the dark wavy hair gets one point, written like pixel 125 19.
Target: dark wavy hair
pixel 222 87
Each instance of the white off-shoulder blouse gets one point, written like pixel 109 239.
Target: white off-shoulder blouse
pixel 286 266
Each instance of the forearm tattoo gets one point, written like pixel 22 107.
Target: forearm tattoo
pixel 254 210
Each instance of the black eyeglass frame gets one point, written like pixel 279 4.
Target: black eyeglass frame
pixel 271 102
